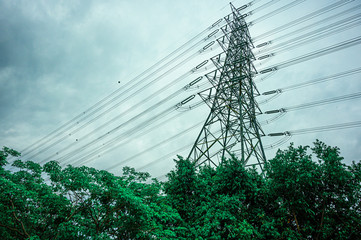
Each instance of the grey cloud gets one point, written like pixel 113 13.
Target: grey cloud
pixel 59 57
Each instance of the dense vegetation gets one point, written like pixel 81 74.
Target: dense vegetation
pixel 305 193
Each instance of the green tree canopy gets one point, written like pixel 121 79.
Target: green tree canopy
pixel 304 193
pixel 80 203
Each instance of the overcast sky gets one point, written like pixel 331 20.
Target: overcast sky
pixel 58 58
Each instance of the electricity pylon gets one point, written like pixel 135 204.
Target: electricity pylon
pixel 231 127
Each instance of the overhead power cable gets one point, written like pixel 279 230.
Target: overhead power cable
pixel 136 134
pixel 165 157
pixel 314 54
pixel 316 35
pixel 281 142
pixel 124 89
pixel 318 129
pixel 129 110
pixel 170 154
pixel 316 103
pixel 125 134
pixel 287 134
pixel 272 119
pixel 122 136
pixel 275 12
pixel 155 146
pixel 67 127
pixel 120 139
pixel 138 79
pixel 260 78
pixel 308 27
pixel 245 6
pixel 315 81
pixel 278 143
pixel 302 19
pixel 274 96
pixel 100 115
pixel 168 111
pixel 257 9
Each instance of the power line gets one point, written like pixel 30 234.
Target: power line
pixel 130 132
pixel 315 81
pixel 133 83
pixel 120 91
pixel 83 137
pixel 165 141
pixel 129 110
pixel 275 12
pixel 314 54
pixel 311 26
pixel 99 106
pixel 302 19
pixel 318 129
pixel 316 35
pixel 316 103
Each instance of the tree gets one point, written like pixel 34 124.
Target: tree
pixel 305 193
pixel 27 204
pixel 78 203
pixel 214 203
pixel 314 198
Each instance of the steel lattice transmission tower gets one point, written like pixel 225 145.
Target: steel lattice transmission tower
pixel 231 126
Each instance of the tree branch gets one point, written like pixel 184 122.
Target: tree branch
pixel 17 219
pixel 12 229
pixel 298 226
pixel 322 218
pixel 95 220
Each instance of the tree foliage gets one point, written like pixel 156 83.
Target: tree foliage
pixel 316 198
pixel 305 193
pixel 81 203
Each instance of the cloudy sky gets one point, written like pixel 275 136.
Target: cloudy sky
pixel 59 58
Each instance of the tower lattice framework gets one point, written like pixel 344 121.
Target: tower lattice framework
pixel 231 127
